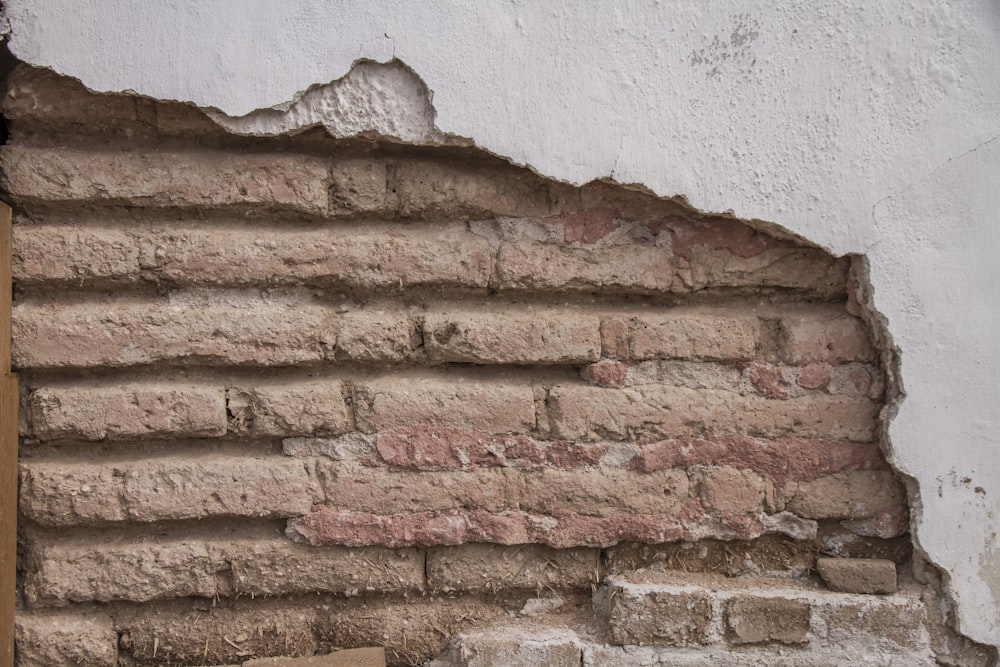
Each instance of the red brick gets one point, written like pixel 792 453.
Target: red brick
pixel 394 402
pixel 277 181
pixel 694 334
pixel 240 330
pixel 313 407
pixel 522 336
pixel 81 255
pixel 635 269
pixel 98 412
pixel 649 411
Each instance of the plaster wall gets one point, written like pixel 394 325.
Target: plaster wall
pixel 865 127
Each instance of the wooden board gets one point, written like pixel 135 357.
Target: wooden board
pixel 8 453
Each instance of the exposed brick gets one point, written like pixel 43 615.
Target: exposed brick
pixel 376 336
pixel 98 412
pixel 897 618
pixel 65 639
pixel 692 374
pixel 349 657
pixel 437 448
pixel 77 254
pixel 599 491
pixel 58 493
pixel 833 338
pixel 284 409
pixel 617 269
pixel 348 447
pixel 806 269
pixel 728 490
pixel 858 575
pixel 280 567
pixel 248 329
pixel 358 186
pixel 42 96
pixel 659 617
pixel 694 334
pixel 847 495
pixel 779 460
pixel 516 647
pixel 104 570
pixel 279 181
pixel 425 188
pixel 393 402
pixel 492 567
pixel 757 620
pixel 543 335
pixel 580 411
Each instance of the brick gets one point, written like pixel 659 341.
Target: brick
pixel 106 570
pixel 248 330
pixel 222 632
pixel 76 254
pixel 758 620
pixel 823 337
pixel 599 491
pixel 280 567
pixel 899 619
pixel 692 374
pixel 425 188
pixel 728 490
pixel 358 187
pixel 393 402
pixel 348 447
pixel 351 657
pixel 659 617
pixel 537 336
pixel 65 639
pixel 806 269
pixel 376 336
pixel 286 408
pixel 634 269
pixel 55 493
pixel 492 567
pixel 514 647
pixel 847 495
pixel 694 334
pixel 114 412
pixel 380 491
pixel 580 411
pixel 276 181
pixel 41 96
pixel 858 575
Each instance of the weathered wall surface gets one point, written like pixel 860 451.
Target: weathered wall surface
pixel 866 127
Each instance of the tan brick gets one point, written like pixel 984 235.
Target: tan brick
pixel 279 181
pixel 380 491
pixel 821 337
pixel 635 269
pixel 188 488
pixel 728 490
pixel 853 494
pixel 249 329
pixel 694 334
pixel 186 632
pixel 600 491
pixel 394 402
pixel 73 254
pixel 858 575
pixel 65 639
pixel 105 570
pixel 896 618
pixel 580 411
pixel 281 567
pixel 56 493
pixel 48 99
pixel 758 620
pixel 358 187
pixel 493 567
pixel 552 647
pixel 285 409
pixel 448 189
pixel 659 617
pixel 349 657
pixel 806 269
pixel 376 336
pixel 544 335
pixel 127 411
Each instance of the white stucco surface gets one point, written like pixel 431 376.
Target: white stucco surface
pixel 867 127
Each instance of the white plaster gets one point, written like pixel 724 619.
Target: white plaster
pixel 864 126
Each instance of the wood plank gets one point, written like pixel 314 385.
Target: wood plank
pixel 5 287
pixel 8 515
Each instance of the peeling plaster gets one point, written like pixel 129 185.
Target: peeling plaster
pixel 864 127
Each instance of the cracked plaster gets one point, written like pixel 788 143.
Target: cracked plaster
pixel 864 127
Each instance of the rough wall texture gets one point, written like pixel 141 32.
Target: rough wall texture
pixel 290 394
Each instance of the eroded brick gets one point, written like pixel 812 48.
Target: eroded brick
pixel 758 620
pixel 659 617
pixel 288 408
pixel 694 335
pixel 617 269
pixel 65 639
pixel 852 494
pixel 491 567
pixel 824 337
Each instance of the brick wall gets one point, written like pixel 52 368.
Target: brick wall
pixel 285 395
